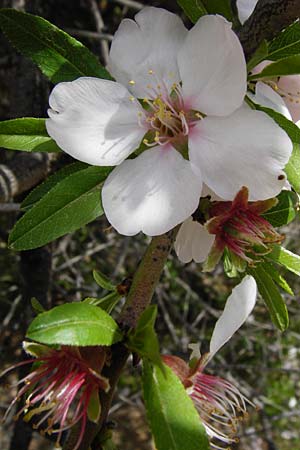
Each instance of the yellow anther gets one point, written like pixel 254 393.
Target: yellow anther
pixel 150 71
pixel 131 98
pixel 149 86
pixel 140 114
pixel 131 82
pixel 198 115
pixel 156 139
pixel 145 141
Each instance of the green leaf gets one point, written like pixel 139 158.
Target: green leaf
pixel 285 258
pixel 26 134
pixel 271 296
pixel 103 281
pixel 173 419
pixel 37 306
pixel 285 66
pixel 59 56
pixel 77 324
pixel 292 169
pixel 275 275
pixel 70 204
pixel 222 7
pixel 287 43
pixel 143 340
pixel 193 9
pixel 42 189
pixel 260 55
pixel 107 303
pixel 284 212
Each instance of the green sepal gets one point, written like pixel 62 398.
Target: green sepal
pixel 35 349
pixel 94 407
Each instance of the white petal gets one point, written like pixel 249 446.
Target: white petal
pixel 193 242
pixel 94 121
pixel 246 148
pixel 151 193
pixel 239 306
pixel 212 67
pixel 245 9
pixel 151 42
pixel 266 96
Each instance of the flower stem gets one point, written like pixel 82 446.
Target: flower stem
pixel 140 295
pixel 146 278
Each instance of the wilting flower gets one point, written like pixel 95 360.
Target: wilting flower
pixel 219 403
pixel 180 93
pixel 237 226
pixel 61 387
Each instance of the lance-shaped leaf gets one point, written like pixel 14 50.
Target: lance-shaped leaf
pixel 271 296
pixel 42 189
pixel 70 204
pixel 194 9
pixel 77 324
pixel 174 421
pixel 285 258
pixel 276 277
pixel 103 281
pixel 287 43
pixel 59 56
pixel 284 212
pixel 285 66
pixel 26 134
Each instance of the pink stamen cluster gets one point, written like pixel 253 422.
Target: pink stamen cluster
pixel 220 405
pixel 166 115
pixel 58 390
pixel 239 227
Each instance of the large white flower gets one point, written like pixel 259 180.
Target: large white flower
pixel 190 86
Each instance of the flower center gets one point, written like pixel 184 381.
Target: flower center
pixel 165 114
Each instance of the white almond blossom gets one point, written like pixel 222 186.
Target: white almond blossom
pixel 180 93
pixel 219 403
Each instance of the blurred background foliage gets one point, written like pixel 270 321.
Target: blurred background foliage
pixel 261 360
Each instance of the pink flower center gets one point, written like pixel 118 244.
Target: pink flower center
pixel 165 114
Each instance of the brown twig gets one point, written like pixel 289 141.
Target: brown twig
pixel 267 20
